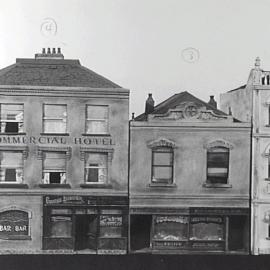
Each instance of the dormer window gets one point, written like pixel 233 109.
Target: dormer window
pixel 11 118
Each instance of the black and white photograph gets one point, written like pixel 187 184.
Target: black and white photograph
pixel 134 134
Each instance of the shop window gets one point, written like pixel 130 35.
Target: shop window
pixel 162 165
pixel 171 228
pixel 11 116
pixel 217 165
pixel 207 228
pixel 11 167
pixel 14 224
pixel 96 166
pixel 61 226
pixel 54 168
pixel 96 119
pixel 54 118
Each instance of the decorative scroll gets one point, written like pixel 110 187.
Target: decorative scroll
pixel 218 143
pixel 161 142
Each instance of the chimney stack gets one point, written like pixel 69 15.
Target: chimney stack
pixel 50 54
pixel 149 104
pixel 212 102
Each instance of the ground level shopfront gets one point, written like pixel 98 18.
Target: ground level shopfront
pixel 201 230
pixel 85 224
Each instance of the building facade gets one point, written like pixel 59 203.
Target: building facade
pixel 63 158
pixel 251 103
pixel 189 179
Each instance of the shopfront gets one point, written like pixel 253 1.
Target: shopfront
pixel 85 224
pixel 210 230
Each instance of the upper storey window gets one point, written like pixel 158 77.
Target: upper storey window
pixel 11 118
pixel 96 119
pixel 162 165
pixel 55 118
pixel 217 165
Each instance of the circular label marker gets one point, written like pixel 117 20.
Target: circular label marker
pixel 190 55
pixel 48 27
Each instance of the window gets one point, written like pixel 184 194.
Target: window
pixel 162 165
pixel 61 226
pixel 11 118
pixel 96 167
pixel 171 228
pixel 55 119
pixel 96 119
pixel 207 228
pixel 54 168
pixel 217 165
pixel 11 167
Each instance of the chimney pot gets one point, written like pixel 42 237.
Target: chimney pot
pixel 58 50
pixel 53 50
pixel 212 102
pixel 133 116
pixel 257 62
pixel 43 50
pixel 149 104
pixel 49 51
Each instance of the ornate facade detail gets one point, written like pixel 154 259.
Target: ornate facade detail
pixel 41 150
pixel 161 142
pixel 189 111
pixel 84 150
pixel 218 143
pixel 23 149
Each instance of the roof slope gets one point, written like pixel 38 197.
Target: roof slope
pixel 175 100
pixel 52 72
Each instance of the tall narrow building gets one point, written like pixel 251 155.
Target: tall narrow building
pixel 63 158
pixel 251 103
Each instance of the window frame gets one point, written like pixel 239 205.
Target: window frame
pixel 162 181
pixel 106 120
pixel 5 120
pixel 45 118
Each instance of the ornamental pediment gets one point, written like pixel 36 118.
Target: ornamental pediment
pixel 161 142
pixel 189 112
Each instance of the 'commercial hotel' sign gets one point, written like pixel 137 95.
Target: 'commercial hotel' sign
pixel 56 140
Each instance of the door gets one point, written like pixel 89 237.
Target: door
pixel 86 232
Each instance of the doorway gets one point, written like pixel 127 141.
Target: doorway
pixel 86 232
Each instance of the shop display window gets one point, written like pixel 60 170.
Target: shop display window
pixel 54 118
pixel 207 228
pixel 217 165
pixel 96 119
pixel 54 168
pixel 111 226
pixel 11 167
pixel 171 228
pixel 162 165
pixel 96 167
pixel 11 117
pixel 61 226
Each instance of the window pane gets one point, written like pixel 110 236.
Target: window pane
pixel 97 112
pixel 171 228
pixel 218 160
pixel 11 159
pixel 96 175
pixel 96 127
pixel 54 126
pixel 61 226
pixel 162 173
pixel 55 160
pixel 110 232
pixel 55 111
pixel 207 228
pixel 162 158
pixel 12 112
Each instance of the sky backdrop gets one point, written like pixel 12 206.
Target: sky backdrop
pixel 138 44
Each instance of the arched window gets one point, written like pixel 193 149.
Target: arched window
pixel 217 165
pixel 162 165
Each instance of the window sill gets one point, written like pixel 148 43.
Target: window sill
pixel 12 133
pixel 162 185
pixel 209 185
pixel 54 185
pixel 54 134
pixel 15 185
pixel 94 135
pixel 95 186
